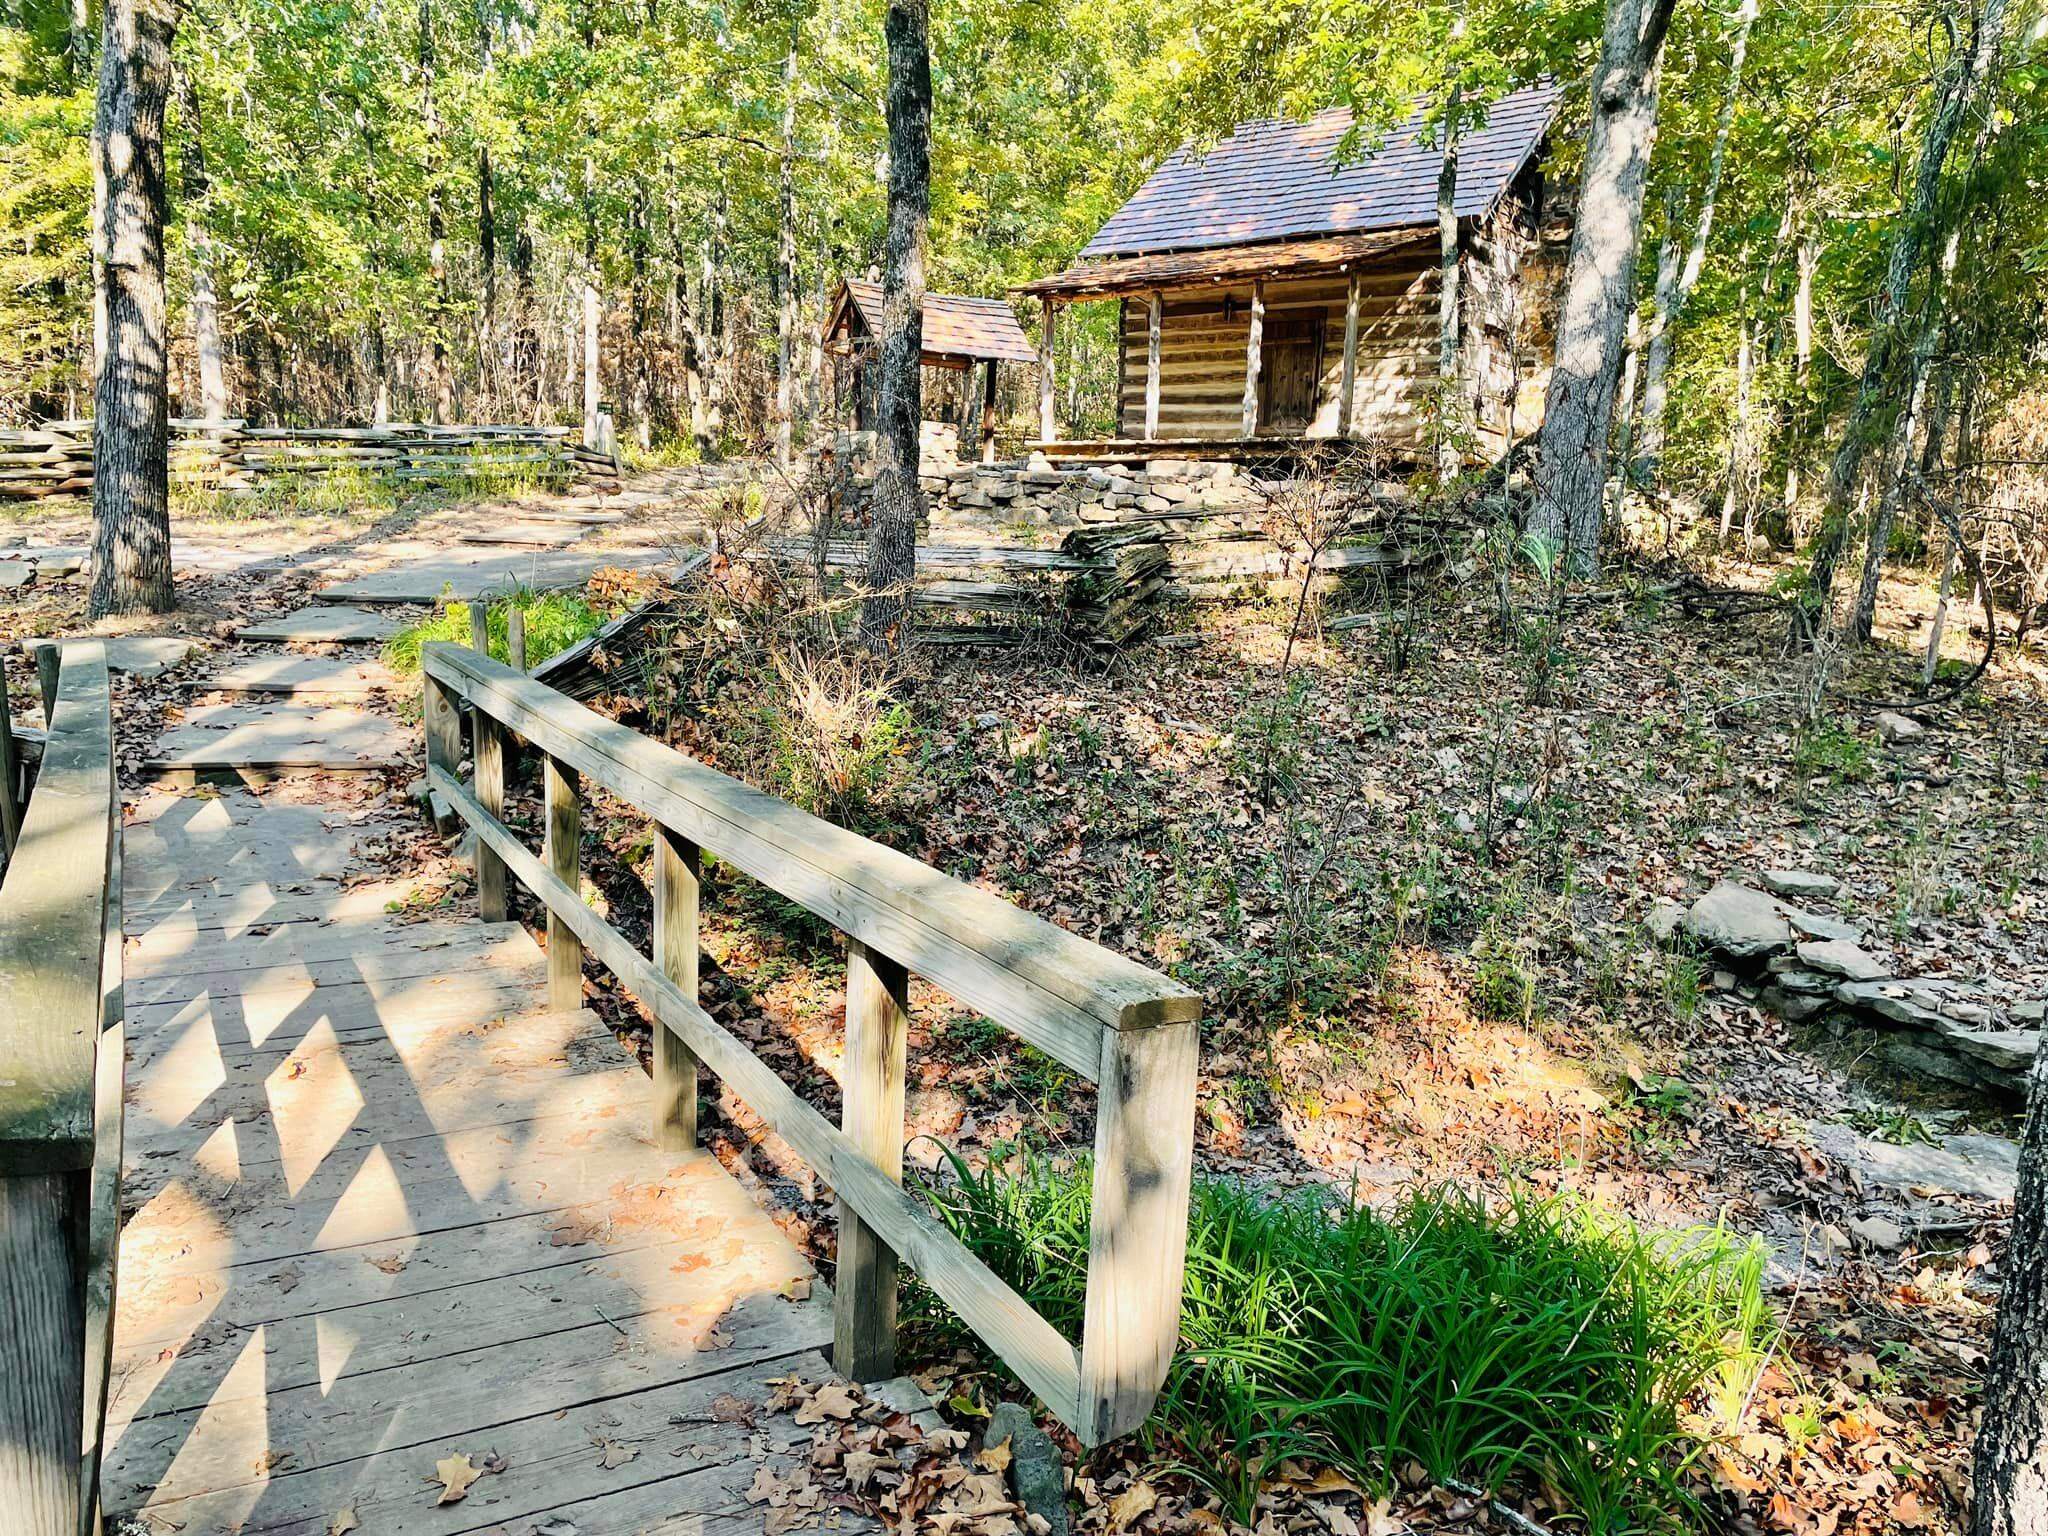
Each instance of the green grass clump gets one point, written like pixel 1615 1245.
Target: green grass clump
pixel 554 622
pixel 1540 1344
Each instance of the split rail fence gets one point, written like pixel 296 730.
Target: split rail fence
pixel 55 459
pixel 1130 1030
pixel 61 1064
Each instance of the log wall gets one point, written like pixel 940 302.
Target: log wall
pixel 56 459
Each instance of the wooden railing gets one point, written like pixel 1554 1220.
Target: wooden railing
pixel 61 1058
pixel 1128 1029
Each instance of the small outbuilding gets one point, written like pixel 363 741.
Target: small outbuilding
pixel 959 334
pixel 1274 293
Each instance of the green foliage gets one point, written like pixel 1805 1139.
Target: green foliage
pixel 1540 1343
pixel 1836 751
pixel 554 622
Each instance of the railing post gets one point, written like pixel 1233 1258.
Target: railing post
pixel 442 721
pixel 487 751
pixel 515 637
pixel 871 1117
pixel 564 788
pixel 42 1350
pixel 1138 1233
pixel 675 951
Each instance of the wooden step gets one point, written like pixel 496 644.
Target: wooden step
pixel 329 622
pixel 259 741
pixel 326 677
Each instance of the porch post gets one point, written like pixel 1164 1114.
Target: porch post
pixel 1153 306
pixel 1349 385
pixel 1251 358
pixel 988 412
pixel 1046 429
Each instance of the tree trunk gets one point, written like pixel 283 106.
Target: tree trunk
pixel 898 500
pixel 1957 89
pixel 441 380
pixel 1672 294
pixel 1808 258
pixel 1642 465
pixel 131 434
pixel 206 346
pixel 1898 473
pixel 1450 395
pixel 2012 1442
pixel 486 233
pixel 785 270
pixel 1738 435
pixel 640 406
pixel 1600 280
pixel 530 373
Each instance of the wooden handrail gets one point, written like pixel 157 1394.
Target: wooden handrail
pixel 1129 1029
pixel 61 1060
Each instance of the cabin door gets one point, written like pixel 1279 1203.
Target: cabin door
pixel 1290 363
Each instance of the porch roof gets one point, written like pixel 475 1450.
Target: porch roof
pixel 1237 263
pixel 956 326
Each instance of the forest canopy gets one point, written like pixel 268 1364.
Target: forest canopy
pixel 401 207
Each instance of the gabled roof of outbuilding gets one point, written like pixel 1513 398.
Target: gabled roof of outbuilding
pixel 954 325
pixel 1278 179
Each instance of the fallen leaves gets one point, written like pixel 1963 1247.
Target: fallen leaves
pixel 455 1474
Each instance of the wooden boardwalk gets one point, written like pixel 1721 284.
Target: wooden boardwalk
pixel 385 1210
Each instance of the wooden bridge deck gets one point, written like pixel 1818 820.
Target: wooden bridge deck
pixel 384 1210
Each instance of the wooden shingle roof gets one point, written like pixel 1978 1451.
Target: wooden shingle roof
pixel 955 326
pixel 1279 180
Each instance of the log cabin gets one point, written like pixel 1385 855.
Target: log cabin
pixel 1276 292
pixel 959 333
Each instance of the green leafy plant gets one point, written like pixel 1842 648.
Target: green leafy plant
pixel 1537 1343
pixel 554 622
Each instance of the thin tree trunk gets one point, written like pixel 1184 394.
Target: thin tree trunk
pixel 441 379
pixel 1808 258
pixel 1671 297
pixel 1738 437
pixel 1600 280
pixel 1450 395
pixel 640 406
pixel 785 269
pixel 708 316
pixel 131 434
pixel 898 500
pixel 1958 88
pixel 206 345
pixel 1625 403
pixel 1656 381
pixel 2011 1481
pixel 529 370
pixel 486 229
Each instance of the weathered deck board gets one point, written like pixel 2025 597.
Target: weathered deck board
pixel 325 622
pixel 324 677
pixel 386 1210
pixel 432 577
pixel 232 739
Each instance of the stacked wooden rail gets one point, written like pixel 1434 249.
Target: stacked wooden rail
pixel 1099 592
pixel 1129 1030
pixel 61 1059
pixel 56 459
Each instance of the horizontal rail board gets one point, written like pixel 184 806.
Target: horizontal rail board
pixel 1054 989
pixel 54 911
pixel 1032 1347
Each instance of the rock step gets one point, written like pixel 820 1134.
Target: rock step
pixel 260 741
